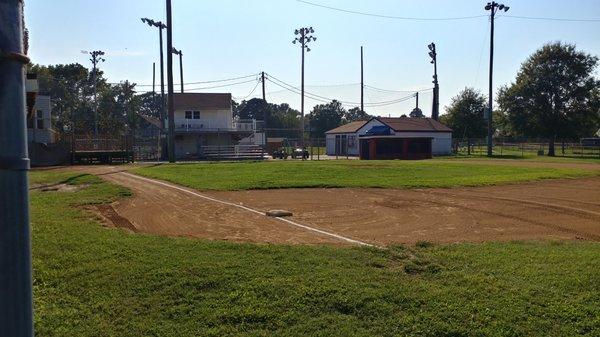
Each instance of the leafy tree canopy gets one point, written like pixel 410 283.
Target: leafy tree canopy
pixel 281 119
pixel 417 113
pixel 325 117
pixel 465 115
pixel 71 88
pixel 554 96
pixel 356 114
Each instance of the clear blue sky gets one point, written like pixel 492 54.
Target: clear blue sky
pixel 230 38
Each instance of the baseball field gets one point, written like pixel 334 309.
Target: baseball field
pixel 449 247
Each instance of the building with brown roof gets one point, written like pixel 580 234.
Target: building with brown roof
pixel 391 138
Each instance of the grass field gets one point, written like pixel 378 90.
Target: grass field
pixel 94 281
pixel 380 174
pixel 529 157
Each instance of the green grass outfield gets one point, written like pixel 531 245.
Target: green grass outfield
pixel 94 281
pixel 349 173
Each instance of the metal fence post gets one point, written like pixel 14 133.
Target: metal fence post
pixel 16 315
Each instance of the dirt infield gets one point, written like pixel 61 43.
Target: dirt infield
pixel 558 209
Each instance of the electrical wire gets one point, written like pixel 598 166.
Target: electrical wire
pixel 445 18
pixel 550 19
pixel 221 86
pixel 206 82
pixel 251 92
pixel 396 91
pixel 485 40
pixel 390 16
pixel 324 99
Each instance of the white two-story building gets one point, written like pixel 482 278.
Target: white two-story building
pixel 39 117
pixel 205 125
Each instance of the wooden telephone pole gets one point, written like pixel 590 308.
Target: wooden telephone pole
pixel 170 103
pixel 362 81
pixel 493 7
pixel 262 79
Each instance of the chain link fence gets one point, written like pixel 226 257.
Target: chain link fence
pixel 504 148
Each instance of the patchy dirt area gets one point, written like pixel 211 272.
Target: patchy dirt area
pixel 58 187
pixel 558 209
pixel 161 210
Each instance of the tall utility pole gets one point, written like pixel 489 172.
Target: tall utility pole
pixel 96 58
pixel 171 105
pixel 160 26
pixel 153 78
pixel 435 110
pixel 264 97
pixel 180 53
pixel 417 100
pixel 493 7
pixel 362 81
pixel 16 313
pixel 304 37
pixel 262 79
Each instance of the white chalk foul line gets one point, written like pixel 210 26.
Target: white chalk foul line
pixel 290 222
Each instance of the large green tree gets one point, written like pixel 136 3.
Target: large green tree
pixel 71 90
pixel 356 114
pixel 554 96
pixel 280 119
pixel 465 115
pixel 325 117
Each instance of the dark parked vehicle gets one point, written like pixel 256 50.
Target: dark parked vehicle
pixel 280 153
pixel 300 153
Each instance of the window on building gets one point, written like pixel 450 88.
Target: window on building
pixel 196 114
pixel 352 142
pixel 188 115
pixel 40 119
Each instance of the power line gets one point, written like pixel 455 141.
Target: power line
pixel 396 91
pixel 222 86
pixel 324 99
pixel 549 18
pixel 308 94
pixel 251 92
pixel 445 18
pixel 206 82
pixel 390 16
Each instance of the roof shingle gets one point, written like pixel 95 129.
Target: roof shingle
pixel 348 128
pixel 190 101
pixel 407 124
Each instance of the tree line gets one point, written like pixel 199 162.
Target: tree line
pixel 71 87
pixel 555 96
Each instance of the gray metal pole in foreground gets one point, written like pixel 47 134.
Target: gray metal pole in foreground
pixel 16 316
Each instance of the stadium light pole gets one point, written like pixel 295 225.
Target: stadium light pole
pixel 160 26
pixel 96 58
pixel 435 111
pixel 303 37
pixel 16 313
pixel 180 53
pixel 493 7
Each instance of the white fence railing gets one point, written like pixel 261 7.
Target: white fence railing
pixel 196 125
